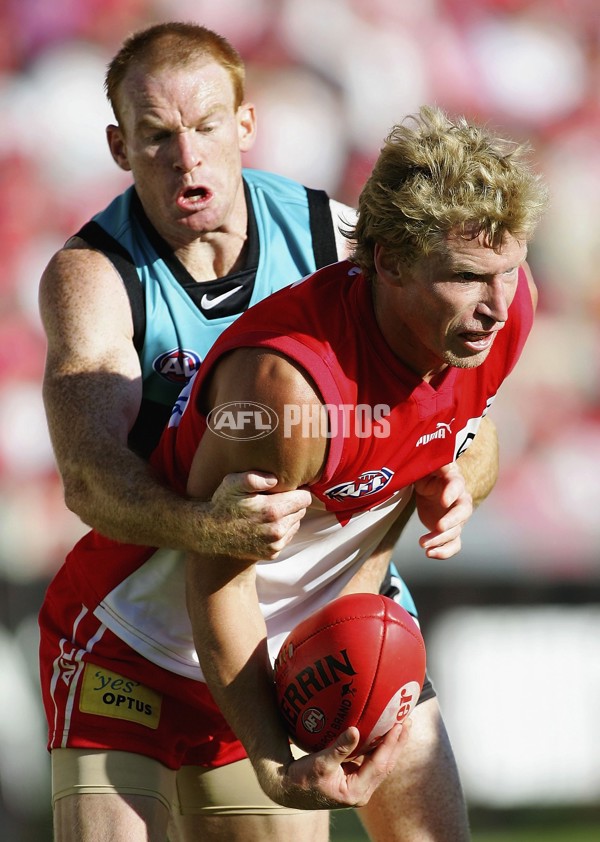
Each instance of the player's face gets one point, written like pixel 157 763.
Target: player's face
pixel 182 138
pixel 447 309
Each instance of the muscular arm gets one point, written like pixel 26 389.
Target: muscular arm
pixel 92 395
pixel 444 502
pixel 229 630
pixel 479 464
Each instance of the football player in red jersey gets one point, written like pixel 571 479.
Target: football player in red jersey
pixel 432 324
pixel 93 362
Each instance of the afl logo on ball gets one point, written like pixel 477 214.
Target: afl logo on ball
pixel 177 365
pixel 313 720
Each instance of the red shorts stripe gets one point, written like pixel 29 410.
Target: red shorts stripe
pixel 99 693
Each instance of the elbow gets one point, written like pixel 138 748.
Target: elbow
pixel 77 496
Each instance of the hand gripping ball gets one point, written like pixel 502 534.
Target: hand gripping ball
pixel 360 660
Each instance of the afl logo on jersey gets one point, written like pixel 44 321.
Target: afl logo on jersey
pixel 368 483
pixel 177 365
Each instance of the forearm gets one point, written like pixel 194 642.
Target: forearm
pixel 119 496
pixel 115 491
pixel 372 573
pixel 105 483
pixel 479 463
pixel 230 638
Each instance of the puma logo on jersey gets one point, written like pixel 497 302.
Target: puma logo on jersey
pixel 370 482
pixel 441 431
pixel 208 303
pixel 177 365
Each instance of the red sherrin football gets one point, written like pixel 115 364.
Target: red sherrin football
pixel 360 660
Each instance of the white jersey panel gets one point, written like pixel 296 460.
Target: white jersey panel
pixel 148 609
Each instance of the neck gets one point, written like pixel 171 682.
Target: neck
pixel 214 255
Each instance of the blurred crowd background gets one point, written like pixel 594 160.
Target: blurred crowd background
pixel 514 622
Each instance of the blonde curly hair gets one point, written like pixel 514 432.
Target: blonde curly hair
pixel 435 175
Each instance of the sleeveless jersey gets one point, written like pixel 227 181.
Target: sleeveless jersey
pixel 177 319
pixel 387 428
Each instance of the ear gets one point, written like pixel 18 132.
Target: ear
pixel 117 146
pixel 246 118
pixel 387 266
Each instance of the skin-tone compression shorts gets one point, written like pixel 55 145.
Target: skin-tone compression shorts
pixel 226 790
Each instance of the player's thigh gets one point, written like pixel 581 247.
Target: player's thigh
pixel 227 803
pixel 110 818
pixel 110 796
pixel 422 798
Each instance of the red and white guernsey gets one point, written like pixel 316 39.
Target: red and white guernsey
pixel 388 428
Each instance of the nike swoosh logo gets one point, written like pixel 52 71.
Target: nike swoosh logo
pixel 208 303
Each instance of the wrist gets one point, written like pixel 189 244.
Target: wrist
pixel 272 777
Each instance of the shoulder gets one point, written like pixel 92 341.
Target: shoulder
pixel 77 260
pixel 261 374
pixel 80 280
pixel 272 182
pixel 247 386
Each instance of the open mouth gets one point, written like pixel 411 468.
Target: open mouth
pixel 193 197
pixel 478 341
pixel 195 193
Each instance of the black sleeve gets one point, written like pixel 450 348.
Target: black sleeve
pixel 96 237
pixel 321 227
